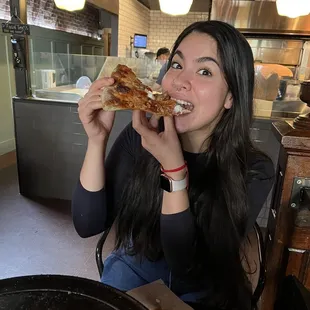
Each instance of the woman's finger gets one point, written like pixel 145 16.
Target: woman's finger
pixel 84 102
pixel 100 83
pixel 169 123
pixel 154 121
pixel 94 97
pixel 94 92
pixel 90 107
pixel 144 119
pixel 136 120
pixel 139 125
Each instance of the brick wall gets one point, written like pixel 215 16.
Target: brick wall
pixel 164 29
pixel 5 9
pixel 43 13
pixel 133 18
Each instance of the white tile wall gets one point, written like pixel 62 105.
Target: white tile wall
pixel 164 29
pixel 133 18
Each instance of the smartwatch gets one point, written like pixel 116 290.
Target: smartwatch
pixel 169 185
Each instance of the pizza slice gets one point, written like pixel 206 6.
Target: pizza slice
pixel 129 93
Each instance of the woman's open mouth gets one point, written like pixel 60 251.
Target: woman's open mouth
pixel 182 107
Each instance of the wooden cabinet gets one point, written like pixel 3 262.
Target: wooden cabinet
pixel 288 229
pixel 298 254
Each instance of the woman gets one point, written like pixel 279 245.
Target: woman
pixel 191 237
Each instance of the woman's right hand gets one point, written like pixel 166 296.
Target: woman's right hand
pixel 97 122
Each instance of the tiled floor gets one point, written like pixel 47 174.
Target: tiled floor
pixel 38 237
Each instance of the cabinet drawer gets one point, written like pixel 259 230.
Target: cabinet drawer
pixel 259 134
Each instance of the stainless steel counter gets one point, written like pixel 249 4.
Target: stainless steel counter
pixel 263 109
pixel 68 93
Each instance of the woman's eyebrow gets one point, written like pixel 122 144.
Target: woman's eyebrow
pixel 200 59
pixel 179 53
pixel 207 58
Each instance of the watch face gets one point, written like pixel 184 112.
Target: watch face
pixel 165 183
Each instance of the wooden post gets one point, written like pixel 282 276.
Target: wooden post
pixel 288 245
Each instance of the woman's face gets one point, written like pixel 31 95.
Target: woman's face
pixel 195 76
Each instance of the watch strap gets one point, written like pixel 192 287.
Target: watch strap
pixel 174 186
pixel 179 185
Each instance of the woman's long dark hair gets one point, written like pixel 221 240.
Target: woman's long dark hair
pixel 218 196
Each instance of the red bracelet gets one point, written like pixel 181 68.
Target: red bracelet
pixel 174 170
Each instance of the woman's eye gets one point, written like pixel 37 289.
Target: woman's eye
pixel 175 65
pixel 204 72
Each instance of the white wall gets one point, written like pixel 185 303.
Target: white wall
pixel 134 17
pixel 7 91
pixel 164 29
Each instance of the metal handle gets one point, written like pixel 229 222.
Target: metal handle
pixel 296 250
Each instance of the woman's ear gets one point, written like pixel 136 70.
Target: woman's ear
pixel 228 101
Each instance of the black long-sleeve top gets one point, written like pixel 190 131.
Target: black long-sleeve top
pixel 93 212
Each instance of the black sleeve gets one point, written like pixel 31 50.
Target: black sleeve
pixel 178 234
pixel 94 212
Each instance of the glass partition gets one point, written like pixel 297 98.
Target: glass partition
pixel 68 76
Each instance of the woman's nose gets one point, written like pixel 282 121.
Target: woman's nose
pixel 180 83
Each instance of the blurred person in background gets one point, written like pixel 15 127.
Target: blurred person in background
pixel 162 56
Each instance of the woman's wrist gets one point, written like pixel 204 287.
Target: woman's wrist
pixel 177 176
pixel 97 145
pixel 175 171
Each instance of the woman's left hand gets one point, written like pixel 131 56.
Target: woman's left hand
pixel 164 146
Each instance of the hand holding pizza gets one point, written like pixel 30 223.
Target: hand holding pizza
pixel 164 146
pixel 97 122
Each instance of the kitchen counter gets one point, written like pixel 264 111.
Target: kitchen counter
pixel 51 144
pixel 62 100
pixel 67 93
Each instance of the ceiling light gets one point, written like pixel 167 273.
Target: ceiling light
pixel 293 9
pixel 175 7
pixel 70 5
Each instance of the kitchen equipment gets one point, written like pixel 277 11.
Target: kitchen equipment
pixel 289 89
pixel 83 82
pixel 150 55
pixel 268 81
pixel 19 61
pixel 259 17
pixel 292 90
pixel 303 121
pixel 305 92
pixel 45 79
